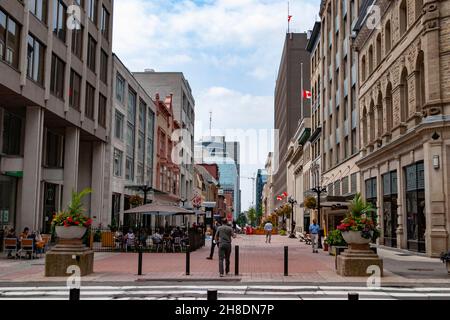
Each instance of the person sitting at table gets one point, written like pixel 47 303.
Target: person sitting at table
pixel 40 244
pixel 129 239
pixel 24 234
pixel 11 234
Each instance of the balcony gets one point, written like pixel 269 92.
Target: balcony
pixel 345 87
pixel 353 75
pixel 354 120
pixel 338 98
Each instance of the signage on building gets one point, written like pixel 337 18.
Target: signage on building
pixel 220 192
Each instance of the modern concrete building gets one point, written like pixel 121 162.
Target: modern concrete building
pixel 55 106
pixel 131 151
pixel 337 94
pixel 404 101
pixel 288 99
pixel 175 84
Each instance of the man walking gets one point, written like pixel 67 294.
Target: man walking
pixel 223 238
pixel 268 227
pixel 213 239
pixel 314 230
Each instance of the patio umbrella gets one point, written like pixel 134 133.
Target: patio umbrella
pixel 159 209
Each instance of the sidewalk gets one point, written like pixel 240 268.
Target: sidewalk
pixel 259 262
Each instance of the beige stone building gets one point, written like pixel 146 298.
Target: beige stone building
pixel 267 199
pixel 404 102
pixel 336 93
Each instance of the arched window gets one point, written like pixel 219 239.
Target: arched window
pixel 363 68
pixel 364 127
pixel 387 37
pixel 420 82
pixel 389 111
pixel 372 122
pixel 380 115
pixel 378 48
pixel 404 97
pixel 403 18
pixel 419 8
pixel 370 60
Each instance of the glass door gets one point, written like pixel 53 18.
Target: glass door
pixel 50 206
pixel 415 207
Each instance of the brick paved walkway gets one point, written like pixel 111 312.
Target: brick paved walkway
pixel 259 262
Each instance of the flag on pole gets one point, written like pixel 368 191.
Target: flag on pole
pixel 285 194
pixel 307 95
pixel 279 198
pixel 289 18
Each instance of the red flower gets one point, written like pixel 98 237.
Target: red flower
pixel 77 223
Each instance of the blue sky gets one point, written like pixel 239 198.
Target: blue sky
pixel 229 50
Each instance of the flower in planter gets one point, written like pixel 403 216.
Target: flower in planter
pixel 74 215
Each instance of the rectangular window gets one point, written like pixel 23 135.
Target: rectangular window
pixel 39 9
pixel 104 27
pixel 345 186
pixel 353 183
pixel 120 88
pixel 92 10
pixel 371 191
pixel 337 188
pixel 142 110
pixel 12 134
pixel 104 67
pixel 57 77
pixel 59 19
pixel 118 161
pixel 118 126
pixel 75 90
pixel 90 101
pixel 102 101
pixel 129 169
pixel 92 49
pixel 77 42
pixel 54 148
pixel 9 40
pixel 131 107
pixel 141 147
pixel 150 139
pixel 35 60
pixel 130 140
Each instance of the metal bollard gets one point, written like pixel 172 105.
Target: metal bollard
pixel 188 260
pixel 286 257
pixel 74 295
pixel 140 264
pixel 236 261
pixel 353 296
pixel 212 295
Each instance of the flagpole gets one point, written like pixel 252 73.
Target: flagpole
pixel 303 90
pixel 289 22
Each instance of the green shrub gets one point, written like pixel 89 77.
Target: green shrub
pixel 335 239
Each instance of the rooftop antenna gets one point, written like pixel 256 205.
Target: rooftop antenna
pixel 210 123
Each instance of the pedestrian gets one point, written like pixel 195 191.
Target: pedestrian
pixel 314 230
pixel 213 239
pixel 268 227
pixel 223 238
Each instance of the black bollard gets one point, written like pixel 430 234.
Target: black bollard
pixel 212 295
pixel 286 256
pixel 140 263
pixel 353 296
pixel 236 261
pixel 188 260
pixel 74 295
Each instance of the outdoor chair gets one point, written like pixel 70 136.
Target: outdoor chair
pixel 177 244
pixel 11 247
pixel 28 248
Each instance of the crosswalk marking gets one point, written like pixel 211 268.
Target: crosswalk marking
pixel 240 292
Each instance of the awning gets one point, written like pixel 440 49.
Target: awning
pixel 159 210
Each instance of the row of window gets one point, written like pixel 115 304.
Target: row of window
pixel 374 56
pixel 347 185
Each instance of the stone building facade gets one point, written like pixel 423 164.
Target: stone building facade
pixel 404 104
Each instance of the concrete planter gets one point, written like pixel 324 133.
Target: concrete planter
pixel 354 237
pixel 70 232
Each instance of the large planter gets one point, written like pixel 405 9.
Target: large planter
pixel 354 237
pixel 70 232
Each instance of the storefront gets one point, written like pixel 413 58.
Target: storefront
pixel 8 195
pixel 389 209
pixel 415 206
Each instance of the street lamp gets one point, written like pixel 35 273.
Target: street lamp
pixel 319 191
pixel 292 202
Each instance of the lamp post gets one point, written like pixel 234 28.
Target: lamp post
pixel 319 191
pixel 292 202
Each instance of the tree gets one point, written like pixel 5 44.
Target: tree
pixel 251 215
pixel 241 220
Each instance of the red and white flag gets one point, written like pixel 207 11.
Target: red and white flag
pixel 307 95
pixel 285 194
pixel 279 198
pixel 289 18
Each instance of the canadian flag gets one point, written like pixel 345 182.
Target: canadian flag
pixel 285 194
pixel 279 198
pixel 289 18
pixel 307 95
